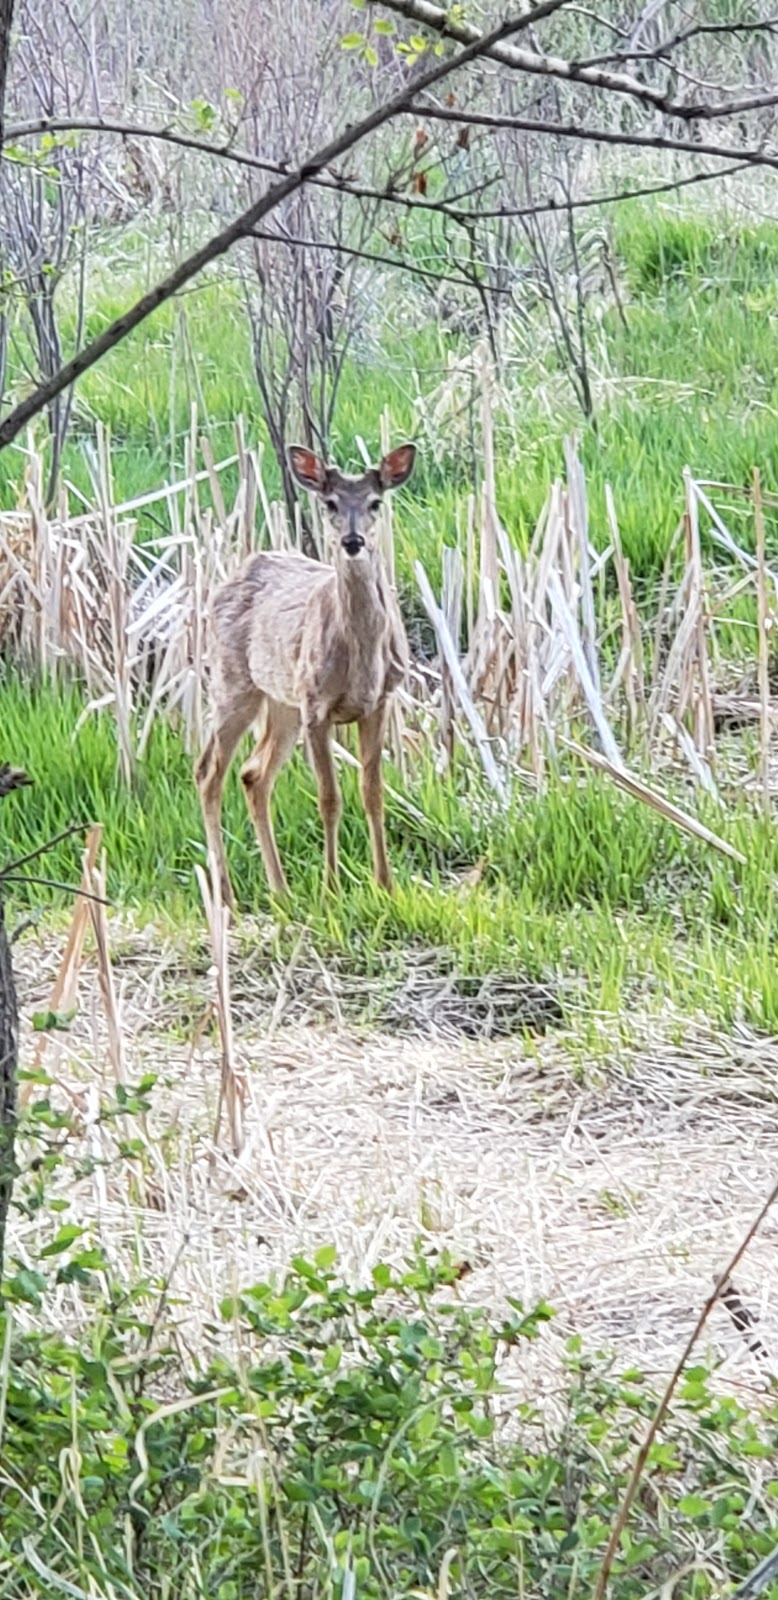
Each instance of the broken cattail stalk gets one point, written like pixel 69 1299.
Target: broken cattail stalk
pixel 451 607
pixel 703 714
pixel 578 522
pixel 665 808
pixel 95 880
pixel 489 576
pixel 232 1090
pixel 632 642
pixel 64 992
pixel 451 659
pixel 591 693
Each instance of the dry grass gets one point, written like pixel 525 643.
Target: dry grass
pixel 611 1180
pixel 79 595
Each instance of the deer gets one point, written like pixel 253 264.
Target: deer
pixel 298 645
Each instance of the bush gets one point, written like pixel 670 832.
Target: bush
pixel 368 1432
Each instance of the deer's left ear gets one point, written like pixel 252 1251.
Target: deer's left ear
pixel 396 468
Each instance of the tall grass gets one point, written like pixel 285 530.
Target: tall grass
pixel 580 886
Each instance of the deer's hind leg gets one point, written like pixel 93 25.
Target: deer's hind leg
pixel 274 745
pixel 210 773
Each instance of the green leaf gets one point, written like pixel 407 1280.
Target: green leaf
pixel 371 56
pixel 90 1260
pixel 383 25
pixel 425 1426
pixel 417 43
pixel 205 114
pixel 693 1505
pixel 43 1021
pixel 330 1361
pixel 326 1257
pixel 62 1239
pixel 352 41
pixel 27 1286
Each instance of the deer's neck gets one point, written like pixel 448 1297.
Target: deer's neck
pixel 361 602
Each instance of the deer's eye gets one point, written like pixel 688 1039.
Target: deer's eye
pixel 374 504
pixel 332 506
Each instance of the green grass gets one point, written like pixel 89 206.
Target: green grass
pixel 581 886
pixel 693 379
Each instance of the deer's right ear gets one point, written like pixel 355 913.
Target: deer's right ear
pixel 309 471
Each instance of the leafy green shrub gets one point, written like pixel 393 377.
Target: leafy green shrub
pixel 363 1436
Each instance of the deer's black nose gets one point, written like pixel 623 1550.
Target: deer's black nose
pixel 353 543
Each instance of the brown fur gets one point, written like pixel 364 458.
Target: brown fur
pixel 299 645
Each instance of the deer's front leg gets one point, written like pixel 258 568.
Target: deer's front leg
pixel 371 749
pixel 320 747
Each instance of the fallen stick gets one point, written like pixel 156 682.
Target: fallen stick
pixel 640 791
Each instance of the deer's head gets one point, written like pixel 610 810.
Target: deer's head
pixel 351 504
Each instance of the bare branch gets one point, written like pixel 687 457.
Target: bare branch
pixel 750 156
pixel 388 196
pixel 396 263
pixel 167 135
pixel 546 66
pixel 694 31
pixel 243 225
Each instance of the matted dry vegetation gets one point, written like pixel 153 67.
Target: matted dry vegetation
pixel 611 1177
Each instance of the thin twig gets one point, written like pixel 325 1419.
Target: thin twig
pixel 753 156
pixel 697 29
pixel 53 883
pixel 656 1421
pixel 21 861
pixel 395 263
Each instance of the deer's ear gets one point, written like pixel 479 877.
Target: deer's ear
pixel 309 471
pixel 397 467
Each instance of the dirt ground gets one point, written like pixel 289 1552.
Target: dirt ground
pixel 611 1177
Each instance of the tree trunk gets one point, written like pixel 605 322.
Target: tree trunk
pixel 10 778
pixel 6 19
